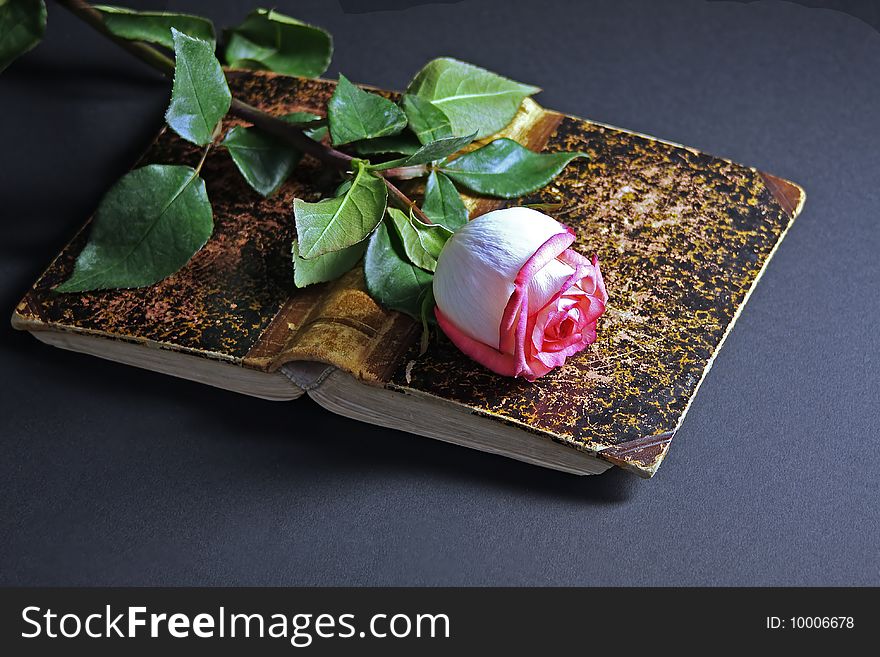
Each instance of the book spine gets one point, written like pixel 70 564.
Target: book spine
pixel 339 324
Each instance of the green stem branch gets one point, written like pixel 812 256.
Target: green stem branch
pixel 214 135
pixel 290 134
pixel 405 203
pixel 165 65
pixel 276 127
pixel 147 54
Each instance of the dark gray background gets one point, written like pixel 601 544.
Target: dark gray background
pixel 111 475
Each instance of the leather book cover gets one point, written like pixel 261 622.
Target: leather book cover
pixel 682 238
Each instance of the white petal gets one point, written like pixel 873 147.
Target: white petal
pixel 477 268
pixel 546 283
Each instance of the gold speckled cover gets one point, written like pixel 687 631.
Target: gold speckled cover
pixel 682 238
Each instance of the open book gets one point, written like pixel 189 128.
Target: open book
pixel 683 238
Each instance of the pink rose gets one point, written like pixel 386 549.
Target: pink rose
pixel 511 294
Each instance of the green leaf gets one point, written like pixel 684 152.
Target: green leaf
pixel 355 114
pixel 304 120
pixel 392 280
pixel 472 98
pixel 154 26
pixel 200 96
pixel 443 203
pixel 404 143
pixel 267 39
pixel 327 267
pixel 22 25
pixel 426 121
pixel 336 223
pixel 421 243
pixel 146 228
pixel 435 150
pixel 506 169
pixel 264 162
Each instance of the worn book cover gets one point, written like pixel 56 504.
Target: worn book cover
pixel 682 238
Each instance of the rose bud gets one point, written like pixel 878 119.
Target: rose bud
pixel 511 294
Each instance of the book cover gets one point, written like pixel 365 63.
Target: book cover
pixel 682 236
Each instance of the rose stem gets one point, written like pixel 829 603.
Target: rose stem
pixel 263 120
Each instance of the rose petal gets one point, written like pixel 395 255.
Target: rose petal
pixel 544 254
pixel 496 361
pixel 477 267
pixel 600 282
